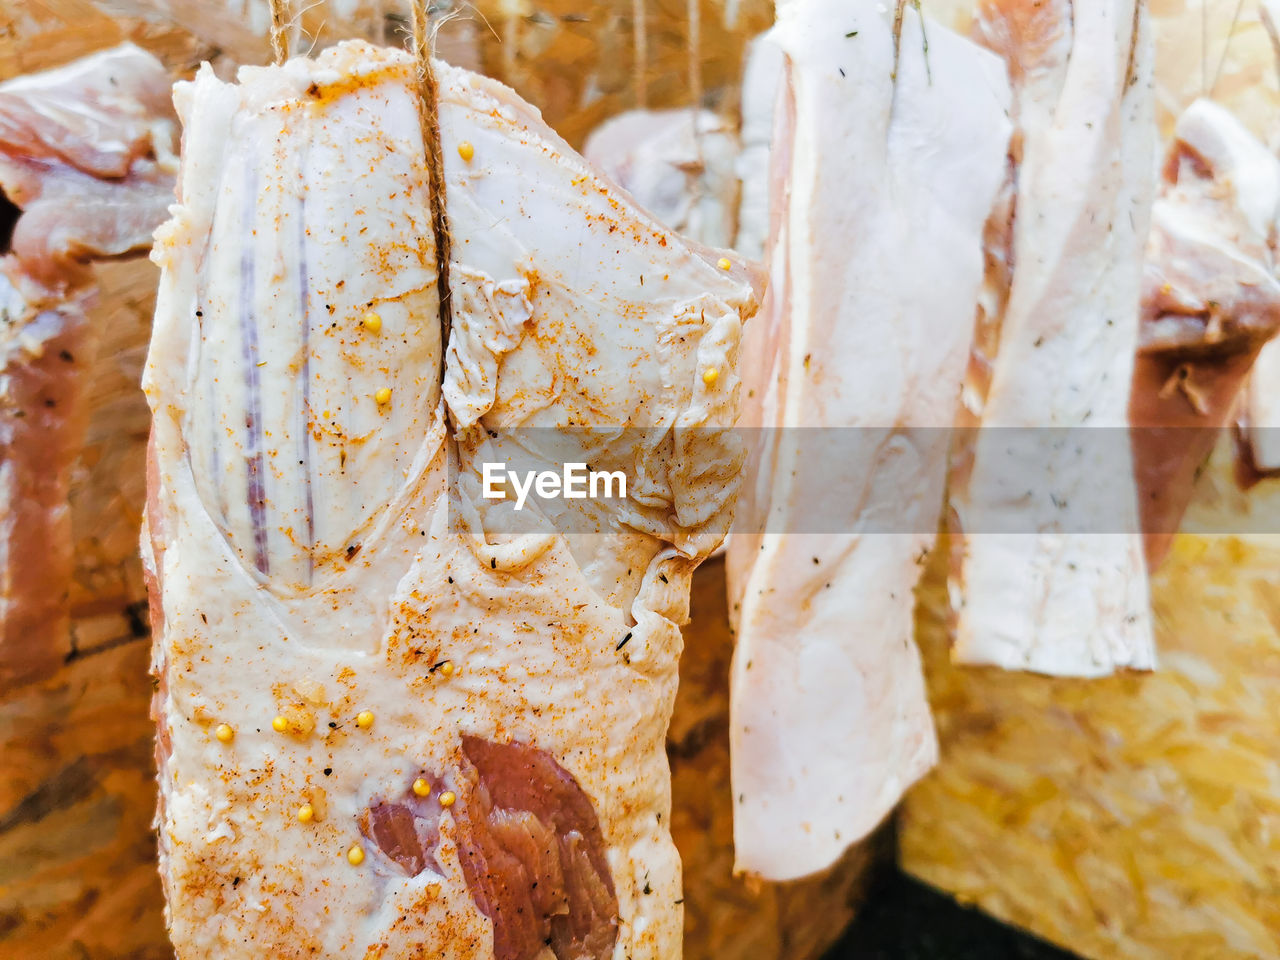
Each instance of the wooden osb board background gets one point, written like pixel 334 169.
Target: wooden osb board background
pixel 1133 817
pixel 577 60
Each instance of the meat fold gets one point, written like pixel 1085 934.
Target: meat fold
pixel 86 172
pixel 1210 302
pixel 885 165
pixel 1051 576
pixel 319 546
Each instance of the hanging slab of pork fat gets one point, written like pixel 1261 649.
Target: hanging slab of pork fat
pixel 87 158
pixel 1258 430
pixel 1053 578
pixel 1210 301
pixel 884 185
pixel 1260 433
pixel 384 732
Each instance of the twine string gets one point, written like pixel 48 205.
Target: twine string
pixel 429 116
pixel 695 95
pixel 640 55
pixel 280 30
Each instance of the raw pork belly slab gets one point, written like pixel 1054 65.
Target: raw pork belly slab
pixel 879 183
pixel 87 157
pixel 384 730
pixel 1036 591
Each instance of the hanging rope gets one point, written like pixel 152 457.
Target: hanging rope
pixel 280 30
pixel 1231 33
pixel 510 10
pixel 695 96
pixel 640 54
pixel 1273 31
pixel 1204 48
pixel 429 115
pixel 695 53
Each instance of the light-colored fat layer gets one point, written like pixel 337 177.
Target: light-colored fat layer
pixel 1262 408
pixel 1262 396
pixel 285 369
pixel 887 181
pixel 1042 598
pixel 760 85
pixel 531 627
